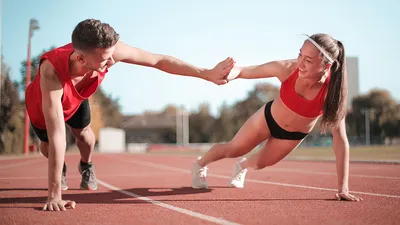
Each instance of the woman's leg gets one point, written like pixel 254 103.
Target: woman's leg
pixel 272 152
pixel 252 133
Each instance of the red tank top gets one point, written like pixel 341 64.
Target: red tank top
pixel 304 107
pixel 71 99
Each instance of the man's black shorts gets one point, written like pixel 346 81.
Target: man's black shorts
pixel 79 120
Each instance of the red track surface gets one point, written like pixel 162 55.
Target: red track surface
pixel 287 193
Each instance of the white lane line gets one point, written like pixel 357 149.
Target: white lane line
pixel 19 157
pixel 145 163
pixel 21 164
pixel 167 206
pixel 328 173
pixel 103 176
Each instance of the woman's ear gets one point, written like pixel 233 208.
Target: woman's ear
pixel 328 66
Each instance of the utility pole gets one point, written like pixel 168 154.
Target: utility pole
pixel 182 126
pixel 185 127
pixel 33 25
pixel 367 112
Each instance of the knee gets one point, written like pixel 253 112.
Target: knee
pixel 261 164
pixel 85 135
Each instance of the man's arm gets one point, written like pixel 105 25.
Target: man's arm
pixel 127 54
pixel 342 149
pixel 52 109
pixel 280 69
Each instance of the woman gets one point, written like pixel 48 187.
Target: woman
pixel 313 86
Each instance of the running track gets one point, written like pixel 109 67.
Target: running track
pixel 155 189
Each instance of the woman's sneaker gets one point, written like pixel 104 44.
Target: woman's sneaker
pixel 199 175
pixel 238 175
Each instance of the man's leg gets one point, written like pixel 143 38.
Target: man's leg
pixel 44 149
pixel 85 140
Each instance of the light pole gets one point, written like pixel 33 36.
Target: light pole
pixel 185 128
pixel 367 112
pixel 182 126
pixel 33 25
pixel 178 125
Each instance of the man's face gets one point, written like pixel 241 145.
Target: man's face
pixel 98 60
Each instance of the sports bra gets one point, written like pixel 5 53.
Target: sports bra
pixel 298 104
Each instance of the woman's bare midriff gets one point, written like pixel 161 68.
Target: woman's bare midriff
pixel 289 120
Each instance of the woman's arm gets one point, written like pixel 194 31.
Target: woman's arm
pixel 280 69
pixel 342 149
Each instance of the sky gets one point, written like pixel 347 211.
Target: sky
pixel 203 33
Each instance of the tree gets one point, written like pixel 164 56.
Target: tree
pixel 170 110
pixel 231 119
pixel 34 68
pixel 390 122
pixel 201 124
pixel 223 128
pixel 110 108
pixel 260 95
pixel 379 101
pixel 10 117
pixel 8 96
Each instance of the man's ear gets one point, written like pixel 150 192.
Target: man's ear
pixel 80 58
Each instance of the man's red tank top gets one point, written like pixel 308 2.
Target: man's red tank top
pixel 304 107
pixel 71 99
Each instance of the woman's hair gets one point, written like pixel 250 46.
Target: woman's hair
pixel 335 102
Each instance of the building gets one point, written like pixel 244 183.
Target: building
pixel 352 79
pixel 149 128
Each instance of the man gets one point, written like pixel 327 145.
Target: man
pixel 68 76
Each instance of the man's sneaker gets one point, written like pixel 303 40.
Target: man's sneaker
pixel 199 175
pixel 89 181
pixel 238 175
pixel 64 185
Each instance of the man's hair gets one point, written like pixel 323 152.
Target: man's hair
pixel 91 34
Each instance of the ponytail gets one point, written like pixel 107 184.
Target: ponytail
pixel 335 102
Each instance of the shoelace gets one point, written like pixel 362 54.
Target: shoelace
pixel 88 174
pixel 203 172
pixel 240 175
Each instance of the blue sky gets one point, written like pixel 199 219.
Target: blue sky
pixel 205 32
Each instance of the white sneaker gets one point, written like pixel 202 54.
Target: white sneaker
pixel 199 175
pixel 238 175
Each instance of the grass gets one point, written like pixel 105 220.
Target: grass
pixel 372 153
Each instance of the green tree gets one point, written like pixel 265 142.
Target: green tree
pixel 232 118
pixel 11 126
pixel 377 100
pixel 110 108
pixel 223 129
pixel 260 95
pixel 390 122
pixel 201 124
pixel 34 68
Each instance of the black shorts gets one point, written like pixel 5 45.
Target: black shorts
pixel 79 120
pixel 278 132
